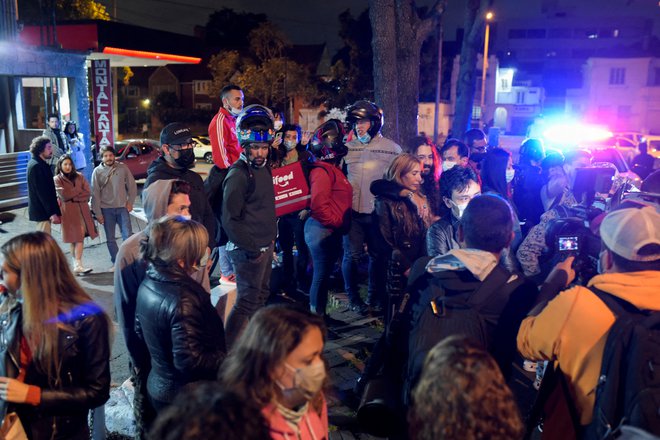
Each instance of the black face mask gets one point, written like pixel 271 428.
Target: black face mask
pixel 186 158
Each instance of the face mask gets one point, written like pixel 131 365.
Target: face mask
pixel 307 381
pixel 290 145
pixel 448 165
pixel 235 111
pixel 186 158
pixel 187 217
pixel 458 210
pixel 277 125
pixel 365 138
pixel 510 175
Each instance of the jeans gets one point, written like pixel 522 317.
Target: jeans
pixel 111 218
pixel 363 229
pixel 252 288
pixel 325 247
pixel 226 268
pixel 292 230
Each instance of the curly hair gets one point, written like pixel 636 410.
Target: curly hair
pixel 462 394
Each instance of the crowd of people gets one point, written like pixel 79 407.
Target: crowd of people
pixel 462 269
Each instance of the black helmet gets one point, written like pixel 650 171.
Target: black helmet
pixel 328 141
pixel 254 124
pixel 365 110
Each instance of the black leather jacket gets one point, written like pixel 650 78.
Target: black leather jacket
pixel 182 330
pixel 389 208
pixel 83 383
pixel 442 236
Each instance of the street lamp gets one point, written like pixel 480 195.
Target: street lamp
pixel 484 68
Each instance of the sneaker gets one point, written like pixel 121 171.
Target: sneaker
pixel 231 279
pixel 359 307
pixel 80 270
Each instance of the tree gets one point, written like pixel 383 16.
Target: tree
pixel 223 67
pixel 399 24
pixel 263 72
pixel 229 29
pixel 267 41
pixel 38 11
pixel 472 40
pixel 351 73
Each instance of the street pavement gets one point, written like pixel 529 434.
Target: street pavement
pixel 345 350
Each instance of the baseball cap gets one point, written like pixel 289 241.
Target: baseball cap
pixel 626 231
pixel 175 133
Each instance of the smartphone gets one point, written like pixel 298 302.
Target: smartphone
pixel 568 243
pixel 278 136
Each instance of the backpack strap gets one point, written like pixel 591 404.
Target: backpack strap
pixel 618 306
pixel 495 284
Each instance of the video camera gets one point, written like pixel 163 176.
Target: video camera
pixel 569 234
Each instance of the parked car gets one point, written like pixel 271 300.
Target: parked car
pixel 203 148
pixel 614 156
pixel 137 154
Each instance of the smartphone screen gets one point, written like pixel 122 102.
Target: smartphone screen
pixel 568 243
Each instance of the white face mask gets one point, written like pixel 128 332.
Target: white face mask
pixel 458 210
pixel 510 174
pixel 447 165
pixel 290 145
pixel 307 381
pixel 277 125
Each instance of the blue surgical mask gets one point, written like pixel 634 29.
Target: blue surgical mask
pixel 364 139
pixel 290 145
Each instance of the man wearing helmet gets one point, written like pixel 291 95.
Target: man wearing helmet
pixel 369 154
pixel 248 217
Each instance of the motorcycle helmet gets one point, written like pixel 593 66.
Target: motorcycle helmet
pixel 254 124
pixel 328 141
pixel 365 110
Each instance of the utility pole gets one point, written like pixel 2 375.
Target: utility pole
pixel 484 68
pixel 438 89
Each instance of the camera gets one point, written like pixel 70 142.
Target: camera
pixel 569 234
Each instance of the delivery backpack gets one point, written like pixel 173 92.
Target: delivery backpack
pixel 439 315
pixel 628 390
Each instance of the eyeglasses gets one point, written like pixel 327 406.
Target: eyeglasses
pixel 186 146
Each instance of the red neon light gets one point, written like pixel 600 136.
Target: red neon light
pixel 152 55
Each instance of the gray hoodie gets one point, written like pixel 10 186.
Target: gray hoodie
pixel 130 270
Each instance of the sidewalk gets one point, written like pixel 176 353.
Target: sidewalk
pixel 345 351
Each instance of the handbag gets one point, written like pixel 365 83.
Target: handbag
pixel 12 428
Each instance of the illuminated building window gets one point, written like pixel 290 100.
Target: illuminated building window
pixel 617 75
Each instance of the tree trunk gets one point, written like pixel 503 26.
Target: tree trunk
pixel 382 15
pixel 408 49
pixel 466 84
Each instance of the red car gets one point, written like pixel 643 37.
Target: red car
pixel 137 155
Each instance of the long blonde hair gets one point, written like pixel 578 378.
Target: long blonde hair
pixel 402 164
pixel 51 295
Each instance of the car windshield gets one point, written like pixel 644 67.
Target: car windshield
pixel 612 156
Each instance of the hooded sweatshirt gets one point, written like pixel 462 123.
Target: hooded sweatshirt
pixel 131 270
pixel 572 330
pixel 200 210
pixel 462 271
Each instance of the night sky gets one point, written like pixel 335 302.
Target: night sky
pixel 314 21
